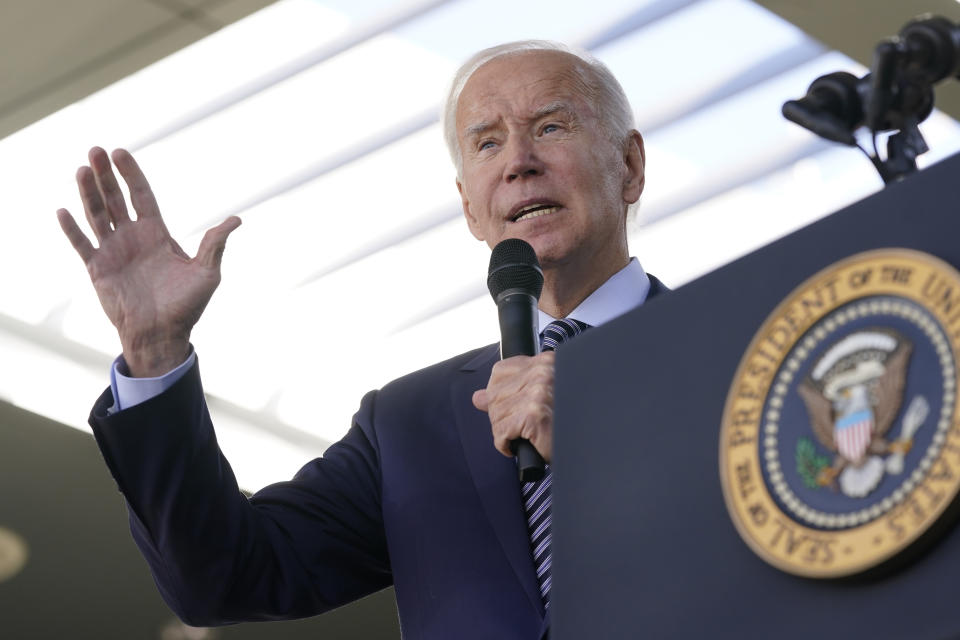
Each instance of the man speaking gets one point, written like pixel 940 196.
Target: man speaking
pixel 422 492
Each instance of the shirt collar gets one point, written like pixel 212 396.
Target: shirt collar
pixel 623 291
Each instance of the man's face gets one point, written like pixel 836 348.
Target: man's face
pixel 538 166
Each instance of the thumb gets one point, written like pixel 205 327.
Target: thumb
pixel 480 399
pixel 214 242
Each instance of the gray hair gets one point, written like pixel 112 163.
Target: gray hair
pixel 610 101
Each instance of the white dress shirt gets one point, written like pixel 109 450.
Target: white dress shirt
pixel 623 291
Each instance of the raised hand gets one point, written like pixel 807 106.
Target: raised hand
pixel 150 289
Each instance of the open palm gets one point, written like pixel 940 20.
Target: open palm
pixel 151 290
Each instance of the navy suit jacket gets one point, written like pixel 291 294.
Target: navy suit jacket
pixel 415 495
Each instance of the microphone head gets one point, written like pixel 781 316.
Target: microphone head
pixel 514 265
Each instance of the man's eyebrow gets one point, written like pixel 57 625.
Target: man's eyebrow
pixel 552 108
pixel 477 129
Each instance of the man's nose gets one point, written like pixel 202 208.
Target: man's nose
pixel 522 160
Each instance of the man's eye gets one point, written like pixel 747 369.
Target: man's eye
pixel 486 144
pixel 550 128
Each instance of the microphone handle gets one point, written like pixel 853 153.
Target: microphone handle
pixel 517 310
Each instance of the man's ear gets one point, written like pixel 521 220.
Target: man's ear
pixel 472 221
pixel 635 162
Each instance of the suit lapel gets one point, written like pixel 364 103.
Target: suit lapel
pixel 494 475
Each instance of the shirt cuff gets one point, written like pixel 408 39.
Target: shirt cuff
pixel 129 392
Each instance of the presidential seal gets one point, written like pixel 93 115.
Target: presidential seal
pixel 840 443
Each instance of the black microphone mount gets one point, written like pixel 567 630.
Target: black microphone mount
pixel 896 96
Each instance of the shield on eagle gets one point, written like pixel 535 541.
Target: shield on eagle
pixel 852 434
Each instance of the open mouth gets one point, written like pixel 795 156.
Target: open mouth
pixel 534 211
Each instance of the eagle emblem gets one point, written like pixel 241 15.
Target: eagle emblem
pixel 853 395
pixel 840 437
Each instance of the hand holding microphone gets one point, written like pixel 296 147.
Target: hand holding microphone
pixel 520 394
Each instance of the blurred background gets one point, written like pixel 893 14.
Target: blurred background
pixel 317 121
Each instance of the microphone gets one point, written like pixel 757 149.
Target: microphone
pixel 515 281
pixel 832 108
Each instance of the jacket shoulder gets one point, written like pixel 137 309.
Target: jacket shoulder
pixel 470 361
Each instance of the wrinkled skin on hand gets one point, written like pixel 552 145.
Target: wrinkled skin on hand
pixel 519 401
pixel 150 289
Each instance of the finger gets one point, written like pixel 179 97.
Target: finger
pixel 534 427
pixel 480 399
pixel 80 243
pixel 93 206
pixel 537 419
pixel 141 195
pixel 505 449
pixel 502 444
pixel 210 253
pixel 109 187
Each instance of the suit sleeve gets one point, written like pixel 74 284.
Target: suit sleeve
pixel 294 549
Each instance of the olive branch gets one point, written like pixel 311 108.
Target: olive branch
pixel 809 464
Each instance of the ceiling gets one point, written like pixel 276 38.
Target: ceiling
pixel 56 492
pixel 55 53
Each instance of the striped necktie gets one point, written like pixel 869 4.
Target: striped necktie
pixel 536 495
